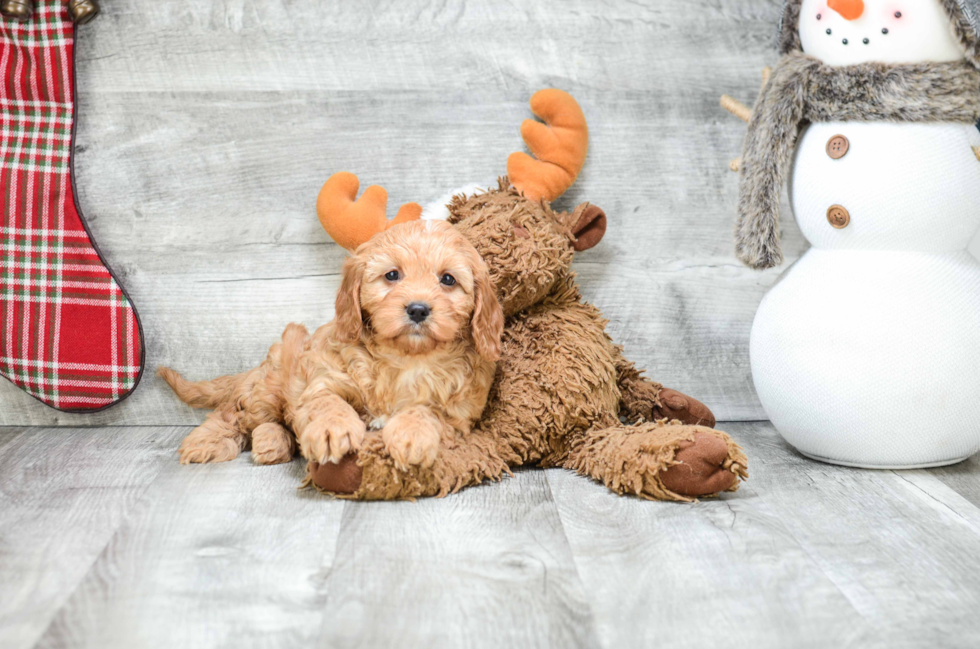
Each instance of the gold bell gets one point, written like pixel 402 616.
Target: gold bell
pixel 19 10
pixel 82 11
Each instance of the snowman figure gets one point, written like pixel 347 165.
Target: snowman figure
pixel 866 352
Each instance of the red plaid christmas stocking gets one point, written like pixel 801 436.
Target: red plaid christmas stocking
pixel 69 335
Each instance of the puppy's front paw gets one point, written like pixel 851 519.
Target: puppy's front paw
pixel 216 440
pixel 203 451
pixel 412 439
pixel 272 444
pixel 331 436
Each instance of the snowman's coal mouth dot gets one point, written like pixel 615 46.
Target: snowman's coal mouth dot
pixel 844 41
pixel 866 41
pixel 884 30
pixel 829 32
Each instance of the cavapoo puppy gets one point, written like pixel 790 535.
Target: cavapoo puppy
pixel 411 353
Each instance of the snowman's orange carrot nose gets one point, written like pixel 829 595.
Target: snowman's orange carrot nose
pixel 849 9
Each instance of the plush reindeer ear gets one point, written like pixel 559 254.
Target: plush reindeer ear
pixel 347 309
pixel 350 223
pixel 488 316
pixel 588 226
pixel 560 146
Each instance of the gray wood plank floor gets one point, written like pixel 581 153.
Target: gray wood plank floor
pixel 105 542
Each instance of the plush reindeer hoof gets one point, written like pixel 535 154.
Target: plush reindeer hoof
pixel 687 409
pixel 701 467
pixel 343 478
pixel 19 10
pixel 82 11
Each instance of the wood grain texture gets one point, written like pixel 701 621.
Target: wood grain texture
pixel 222 555
pixel 804 555
pixel 206 129
pixel 658 574
pixel 489 567
pixel 962 478
pixel 900 545
pixel 63 494
pixel 106 542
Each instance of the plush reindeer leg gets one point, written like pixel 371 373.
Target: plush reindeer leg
pixel 643 399
pixel 371 474
pixel 652 460
pixel 659 461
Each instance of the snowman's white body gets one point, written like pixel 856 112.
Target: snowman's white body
pixel 867 350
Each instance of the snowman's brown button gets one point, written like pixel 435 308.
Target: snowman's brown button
pixel 838 216
pixel 837 147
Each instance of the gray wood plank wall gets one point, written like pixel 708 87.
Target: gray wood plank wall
pixel 207 127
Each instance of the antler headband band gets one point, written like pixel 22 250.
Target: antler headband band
pixel 559 146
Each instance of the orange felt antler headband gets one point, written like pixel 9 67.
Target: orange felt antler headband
pixel 559 146
pixel 350 223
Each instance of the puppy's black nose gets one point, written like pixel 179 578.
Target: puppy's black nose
pixel 418 312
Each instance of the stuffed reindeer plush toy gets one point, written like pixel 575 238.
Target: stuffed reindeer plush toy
pixel 564 394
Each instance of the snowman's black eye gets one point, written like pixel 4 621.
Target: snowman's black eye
pixel 448 280
pixel 392 276
pixel 898 14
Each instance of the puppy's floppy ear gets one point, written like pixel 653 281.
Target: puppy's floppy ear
pixel 488 315
pixel 347 310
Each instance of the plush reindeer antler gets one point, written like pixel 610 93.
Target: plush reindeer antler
pixel 350 223
pixel 560 146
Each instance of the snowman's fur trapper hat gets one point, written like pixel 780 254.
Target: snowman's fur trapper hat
pixel 964 16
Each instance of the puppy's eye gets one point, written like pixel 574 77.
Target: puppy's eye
pixel 392 276
pixel 447 280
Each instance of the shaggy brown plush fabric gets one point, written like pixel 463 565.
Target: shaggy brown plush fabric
pixel 562 388
pixel 803 89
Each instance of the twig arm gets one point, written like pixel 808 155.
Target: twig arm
pixel 736 108
pixel 744 113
